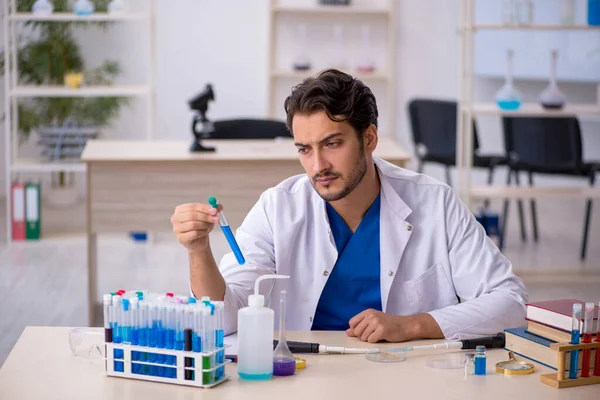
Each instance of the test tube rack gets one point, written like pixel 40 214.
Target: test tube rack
pixel 185 368
pixel 560 379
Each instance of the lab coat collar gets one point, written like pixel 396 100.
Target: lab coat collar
pixel 394 230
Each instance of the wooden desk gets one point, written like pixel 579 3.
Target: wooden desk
pixel 41 367
pixel 136 185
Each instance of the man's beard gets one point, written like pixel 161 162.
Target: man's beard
pixel 354 179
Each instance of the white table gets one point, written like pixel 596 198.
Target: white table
pixel 41 367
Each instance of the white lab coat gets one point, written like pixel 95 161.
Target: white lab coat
pixel 433 252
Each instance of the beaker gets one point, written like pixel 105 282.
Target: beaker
pixel 551 97
pixel 508 97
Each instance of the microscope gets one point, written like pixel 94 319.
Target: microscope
pixel 200 104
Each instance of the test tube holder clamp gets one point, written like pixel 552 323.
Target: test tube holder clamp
pixel 180 357
pixel 560 379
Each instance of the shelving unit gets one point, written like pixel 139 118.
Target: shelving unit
pixel 284 76
pixel 14 21
pixel 468 109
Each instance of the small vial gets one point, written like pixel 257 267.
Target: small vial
pixel 470 363
pixel 480 361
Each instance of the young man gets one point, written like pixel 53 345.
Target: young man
pixel 378 251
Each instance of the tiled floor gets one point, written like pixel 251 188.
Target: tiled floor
pixel 45 283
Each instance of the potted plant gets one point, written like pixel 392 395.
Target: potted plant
pixel 50 55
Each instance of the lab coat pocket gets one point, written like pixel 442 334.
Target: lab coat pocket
pixel 429 291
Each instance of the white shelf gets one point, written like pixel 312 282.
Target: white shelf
pixel 331 9
pixel 282 73
pixel 36 165
pixel 525 192
pixel 71 17
pixel 535 110
pixel 535 27
pixel 85 91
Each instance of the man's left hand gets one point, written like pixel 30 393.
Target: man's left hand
pixel 373 326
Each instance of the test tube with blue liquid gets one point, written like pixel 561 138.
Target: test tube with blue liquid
pixel 575 336
pixel 227 232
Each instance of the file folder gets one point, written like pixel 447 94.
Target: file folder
pixel 32 211
pixel 18 211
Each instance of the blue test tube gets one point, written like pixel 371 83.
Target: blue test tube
pixel 207 340
pixel 575 336
pixel 143 334
pixel 220 336
pixel 179 321
pixel 197 334
pixel 161 332
pixel 228 233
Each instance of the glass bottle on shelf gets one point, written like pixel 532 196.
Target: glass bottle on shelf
pixel 508 98
pixel 83 7
pixel 567 12
pixel 365 63
pixel 508 12
pixel 552 98
pixel 337 60
pixel 42 7
pixel 301 61
pixel 523 12
pixel 117 6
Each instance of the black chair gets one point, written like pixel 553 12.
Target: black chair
pixel 433 124
pixel 249 129
pixel 546 146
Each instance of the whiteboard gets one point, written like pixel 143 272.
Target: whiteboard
pixel 578 51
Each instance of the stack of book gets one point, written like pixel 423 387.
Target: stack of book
pixel 547 322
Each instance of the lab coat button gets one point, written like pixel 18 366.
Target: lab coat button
pixel 326 273
pixel 391 273
pixel 409 228
pixel 310 319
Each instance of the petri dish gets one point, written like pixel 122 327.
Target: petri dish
pixel 446 361
pixel 383 356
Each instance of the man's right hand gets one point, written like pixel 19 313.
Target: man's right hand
pixel 192 224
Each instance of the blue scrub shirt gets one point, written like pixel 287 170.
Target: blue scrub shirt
pixel 353 285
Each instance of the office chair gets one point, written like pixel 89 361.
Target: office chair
pixel 249 129
pixel 549 146
pixel 433 124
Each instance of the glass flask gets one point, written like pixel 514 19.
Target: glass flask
pixel 42 7
pixel 301 61
pixel 284 363
pixel 365 62
pixel 552 98
pixel 508 98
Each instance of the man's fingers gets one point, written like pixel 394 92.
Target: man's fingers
pixel 194 216
pixel 189 237
pixel 356 319
pixel 192 226
pixel 364 336
pixel 360 328
pixel 377 335
pixel 203 208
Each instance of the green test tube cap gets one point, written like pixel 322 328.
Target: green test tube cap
pixel 213 202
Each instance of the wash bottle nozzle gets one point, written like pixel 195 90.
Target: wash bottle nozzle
pixel 257 299
pixel 227 231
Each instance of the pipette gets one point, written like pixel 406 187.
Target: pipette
pixel 316 348
pixel 227 232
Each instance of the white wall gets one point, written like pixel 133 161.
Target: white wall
pixel 226 43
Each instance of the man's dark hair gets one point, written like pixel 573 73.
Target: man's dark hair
pixel 339 95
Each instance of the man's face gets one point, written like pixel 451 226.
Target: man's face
pixel 331 154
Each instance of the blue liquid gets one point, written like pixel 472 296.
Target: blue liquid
pixel 480 367
pixel 509 105
pixel 170 341
pixel 179 344
pixel 233 244
pixel 196 343
pixel 573 364
pixel 143 337
pixel 255 377
pixel 135 336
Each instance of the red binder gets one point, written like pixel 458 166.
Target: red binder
pixel 18 211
